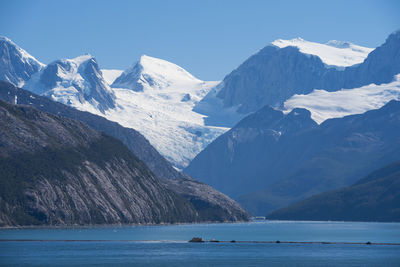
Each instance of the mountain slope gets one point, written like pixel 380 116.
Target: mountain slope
pixel 16 65
pixel 157 98
pixel 239 160
pixel 182 185
pixel 77 82
pixel 56 171
pixel 373 198
pixel 274 74
pixel 293 165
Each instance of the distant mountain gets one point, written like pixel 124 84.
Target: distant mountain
pixel 57 171
pixel 335 54
pixel 285 68
pixel 16 65
pixel 154 73
pixel 373 198
pixel 249 156
pixel 293 158
pixel 157 98
pixel 201 196
pixel 77 82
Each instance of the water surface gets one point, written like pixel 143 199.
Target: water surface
pixel 168 246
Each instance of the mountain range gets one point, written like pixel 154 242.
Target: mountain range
pixel 273 158
pixel 277 129
pixel 205 203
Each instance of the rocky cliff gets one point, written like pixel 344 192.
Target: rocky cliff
pixel 57 171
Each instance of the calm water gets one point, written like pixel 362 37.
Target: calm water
pixel 167 245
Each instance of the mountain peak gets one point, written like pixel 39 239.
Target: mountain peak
pixel 82 58
pixel 333 53
pixel 154 73
pixel 77 82
pixel 17 65
pixel 22 52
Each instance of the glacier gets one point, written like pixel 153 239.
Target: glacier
pixel 325 105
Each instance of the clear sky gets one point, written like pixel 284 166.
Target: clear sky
pixel 207 38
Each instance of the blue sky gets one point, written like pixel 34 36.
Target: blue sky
pixel 208 38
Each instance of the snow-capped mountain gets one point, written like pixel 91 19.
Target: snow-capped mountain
pixel 157 98
pixel 77 82
pixel 274 74
pixel 181 114
pixel 154 73
pixel 16 65
pixel 333 53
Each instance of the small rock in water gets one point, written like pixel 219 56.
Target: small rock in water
pixel 196 240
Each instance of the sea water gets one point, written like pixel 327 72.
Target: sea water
pixel 168 245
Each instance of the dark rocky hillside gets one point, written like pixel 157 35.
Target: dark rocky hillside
pixel 373 198
pixel 270 160
pixel 136 142
pixel 57 171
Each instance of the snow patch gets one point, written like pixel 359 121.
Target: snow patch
pixel 334 53
pixel 325 105
pixel 110 75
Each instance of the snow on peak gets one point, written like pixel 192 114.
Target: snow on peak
pixel 333 53
pixel 164 70
pixel 151 73
pixel 157 97
pixel 81 59
pixel 77 82
pixel 25 56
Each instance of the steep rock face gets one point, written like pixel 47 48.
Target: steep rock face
pixel 244 158
pixel 16 65
pixel 135 142
pixel 270 76
pixel 373 198
pixel 74 82
pixel 379 67
pixel 297 164
pixel 274 74
pixel 57 171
